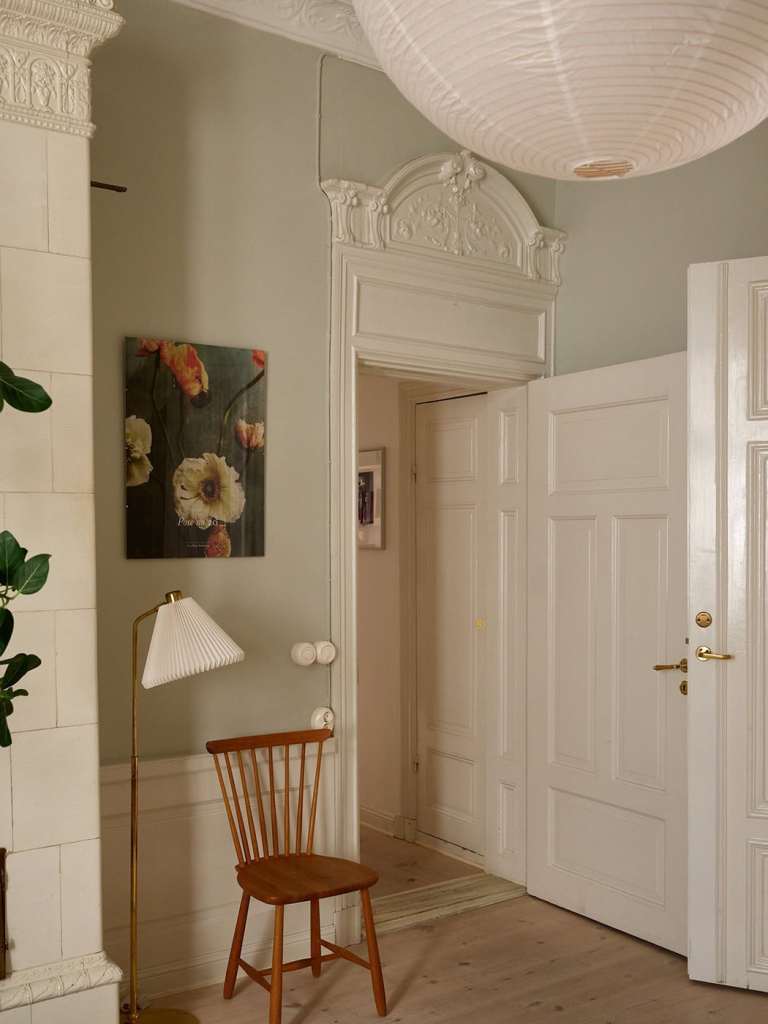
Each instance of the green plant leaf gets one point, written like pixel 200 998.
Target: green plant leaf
pixel 18 667
pixel 12 555
pixel 5 732
pixel 21 393
pixel 13 694
pixel 6 628
pixel 31 576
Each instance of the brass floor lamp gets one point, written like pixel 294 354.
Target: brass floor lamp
pixel 185 642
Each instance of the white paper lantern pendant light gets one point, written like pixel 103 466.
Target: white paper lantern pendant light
pixel 579 89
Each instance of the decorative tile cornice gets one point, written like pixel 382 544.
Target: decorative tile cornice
pixel 44 65
pixel 37 984
pixel 331 25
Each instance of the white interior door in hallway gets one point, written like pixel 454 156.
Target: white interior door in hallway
pixel 606 745
pixel 450 593
pixel 728 763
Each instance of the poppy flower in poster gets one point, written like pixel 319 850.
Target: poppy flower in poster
pixel 195 440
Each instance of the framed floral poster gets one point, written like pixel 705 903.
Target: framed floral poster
pixel 194 449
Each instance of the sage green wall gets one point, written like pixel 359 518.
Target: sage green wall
pixel 223 237
pixel 630 243
pixel 369 130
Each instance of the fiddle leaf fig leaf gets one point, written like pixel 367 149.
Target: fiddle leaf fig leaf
pixel 21 393
pixel 5 732
pixel 12 555
pixel 18 667
pixel 30 577
pixel 6 628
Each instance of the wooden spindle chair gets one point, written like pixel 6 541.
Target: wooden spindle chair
pixel 276 862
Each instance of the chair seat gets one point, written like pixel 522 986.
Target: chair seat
pixel 305 876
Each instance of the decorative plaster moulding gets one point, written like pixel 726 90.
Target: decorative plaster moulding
pixel 44 65
pixel 449 205
pixel 37 984
pixel 328 24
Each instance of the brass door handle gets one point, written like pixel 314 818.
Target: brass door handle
pixel 707 654
pixel 681 666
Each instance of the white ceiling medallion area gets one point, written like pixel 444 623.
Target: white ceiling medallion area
pixel 574 89
pixel 329 24
pixel 451 205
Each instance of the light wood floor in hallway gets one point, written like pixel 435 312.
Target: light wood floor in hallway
pixel 523 962
pixel 404 866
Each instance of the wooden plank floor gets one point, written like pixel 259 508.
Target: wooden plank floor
pixel 404 866
pixel 521 962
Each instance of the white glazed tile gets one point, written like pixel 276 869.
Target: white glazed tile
pixel 19 1015
pixel 96 1006
pixel 46 311
pixel 77 700
pixel 23 203
pixel 34 902
pixel 69 198
pixel 61 525
pixel 80 898
pixel 55 776
pixel 72 434
pixel 25 444
pixel 34 633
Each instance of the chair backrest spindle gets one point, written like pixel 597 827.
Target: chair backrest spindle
pixel 273 805
pixel 248 810
pixel 300 808
pixel 315 791
pixel 260 804
pixel 242 826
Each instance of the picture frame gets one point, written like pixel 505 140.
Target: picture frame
pixel 370 499
pixel 195 419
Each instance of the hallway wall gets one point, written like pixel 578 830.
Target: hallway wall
pixel 380 742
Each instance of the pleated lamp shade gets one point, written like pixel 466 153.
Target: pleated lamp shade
pixel 185 642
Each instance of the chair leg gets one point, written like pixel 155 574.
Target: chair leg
pixel 237 944
pixel 314 932
pixel 377 978
pixel 276 977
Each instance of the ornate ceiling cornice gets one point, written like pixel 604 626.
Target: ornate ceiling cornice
pixel 44 65
pixel 328 24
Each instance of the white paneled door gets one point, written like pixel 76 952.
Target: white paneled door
pixel 728 438
pixel 450 598
pixel 606 568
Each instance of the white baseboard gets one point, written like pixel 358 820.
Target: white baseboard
pixel 450 850
pixel 382 821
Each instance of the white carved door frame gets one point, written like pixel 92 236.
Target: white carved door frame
pixel 444 273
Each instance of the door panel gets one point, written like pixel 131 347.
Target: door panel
pixel 728 437
pixel 505 637
pixel 606 733
pixel 450 505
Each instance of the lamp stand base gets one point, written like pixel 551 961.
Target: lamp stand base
pixel 161 1015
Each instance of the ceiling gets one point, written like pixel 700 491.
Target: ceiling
pixel 328 24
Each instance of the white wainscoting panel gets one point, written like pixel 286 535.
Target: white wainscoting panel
pixel 188 894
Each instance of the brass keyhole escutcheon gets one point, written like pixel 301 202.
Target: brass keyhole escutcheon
pixel 703 619
pixel 684 687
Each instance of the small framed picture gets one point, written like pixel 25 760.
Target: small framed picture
pixel 370 499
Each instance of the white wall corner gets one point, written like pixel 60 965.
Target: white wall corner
pixel 331 25
pixel 44 65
